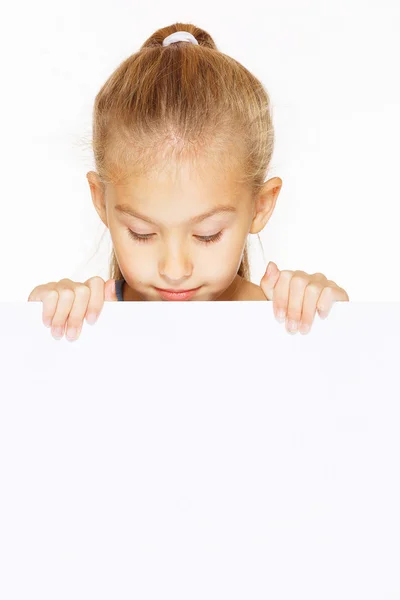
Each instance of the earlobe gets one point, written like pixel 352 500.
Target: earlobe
pixel 258 223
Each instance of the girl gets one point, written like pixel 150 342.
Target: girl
pixel 182 140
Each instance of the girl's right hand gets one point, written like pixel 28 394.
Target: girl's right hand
pixel 67 303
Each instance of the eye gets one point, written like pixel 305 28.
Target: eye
pixel 208 239
pixel 140 238
pixel 204 239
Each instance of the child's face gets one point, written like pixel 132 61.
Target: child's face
pixel 174 256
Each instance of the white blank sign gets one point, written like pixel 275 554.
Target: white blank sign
pixel 197 450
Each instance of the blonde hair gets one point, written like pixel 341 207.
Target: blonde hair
pixel 182 101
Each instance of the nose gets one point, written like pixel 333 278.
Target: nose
pixel 175 266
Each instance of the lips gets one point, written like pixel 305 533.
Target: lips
pixel 176 291
pixel 182 295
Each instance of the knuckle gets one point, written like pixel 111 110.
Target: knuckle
pixel 314 288
pixel 300 274
pixel 82 290
pixel 95 283
pixel 298 281
pixel 67 294
pixel 51 294
pixel 286 275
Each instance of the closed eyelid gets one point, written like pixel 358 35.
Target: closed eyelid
pixel 204 239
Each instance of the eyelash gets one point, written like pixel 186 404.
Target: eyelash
pixel 206 239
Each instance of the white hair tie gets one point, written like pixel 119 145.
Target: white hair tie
pixel 180 36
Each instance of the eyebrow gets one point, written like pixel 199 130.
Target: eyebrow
pixel 126 209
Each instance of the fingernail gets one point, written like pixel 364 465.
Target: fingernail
pixel 280 315
pixel 304 328
pixel 91 318
pixel 270 270
pixel 292 325
pixel 71 333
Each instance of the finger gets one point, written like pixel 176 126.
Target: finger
pixel 281 295
pixel 312 294
pixel 95 304
pixel 50 301
pixel 66 298
pixel 78 310
pixel 329 295
pixel 298 284
pixel 269 280
pixel 49 298
pixel 110 294
pixel 40 291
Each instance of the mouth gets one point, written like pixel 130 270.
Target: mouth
pixel 176 291
pixel 177 294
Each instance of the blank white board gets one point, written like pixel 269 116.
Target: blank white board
pixel 198 450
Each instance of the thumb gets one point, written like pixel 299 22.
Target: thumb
pixel 110 294
pixel 269 280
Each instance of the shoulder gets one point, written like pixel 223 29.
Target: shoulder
pixel 250 291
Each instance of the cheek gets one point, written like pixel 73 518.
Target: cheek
pixel 133 261
pixel 231 253
pixel 220 267
pixel 137 268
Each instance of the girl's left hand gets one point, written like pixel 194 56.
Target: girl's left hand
pixel 297 295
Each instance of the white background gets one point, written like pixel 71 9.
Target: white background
pixel 331 69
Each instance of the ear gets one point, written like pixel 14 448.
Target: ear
pixel 265 204
pixel 97 189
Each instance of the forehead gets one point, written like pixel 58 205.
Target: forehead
pixel 181 183
pixel 179 196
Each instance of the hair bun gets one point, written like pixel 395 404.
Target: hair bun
pixel 202 37
pixel 179 36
